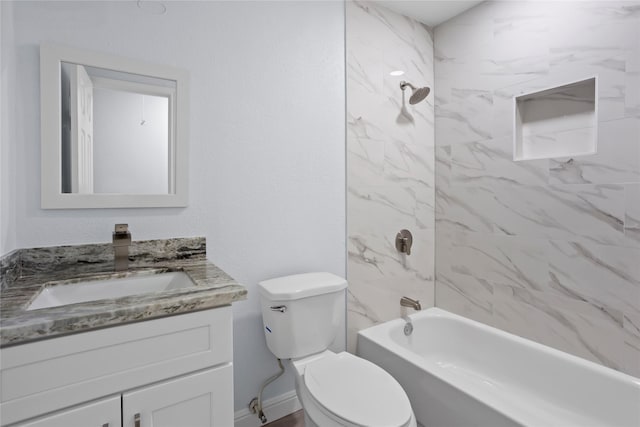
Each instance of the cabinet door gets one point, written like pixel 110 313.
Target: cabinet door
pixel 202 399
pixel 103 413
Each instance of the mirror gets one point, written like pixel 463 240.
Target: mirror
pixel 113 131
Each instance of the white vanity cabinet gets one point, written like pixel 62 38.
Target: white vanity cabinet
pixel 103 413
pixel 186 401
pixel 172 371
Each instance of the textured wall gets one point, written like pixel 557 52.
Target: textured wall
pixel 7 133
pixel 266 179
pixel 546 249
pixel 390 165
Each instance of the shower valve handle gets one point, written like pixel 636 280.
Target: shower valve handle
pixel 404 241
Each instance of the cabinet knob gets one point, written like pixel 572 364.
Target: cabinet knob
pixel 136 420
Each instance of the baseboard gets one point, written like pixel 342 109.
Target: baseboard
pixel 274 409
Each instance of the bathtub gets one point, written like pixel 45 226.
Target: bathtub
pixel 458 372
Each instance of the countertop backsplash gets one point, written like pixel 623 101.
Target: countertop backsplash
pixel 26 266
pixel 9 268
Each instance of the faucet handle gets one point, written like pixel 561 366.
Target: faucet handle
pixel 121 236
pixel 404 240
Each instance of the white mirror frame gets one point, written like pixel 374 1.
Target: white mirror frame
pixel 51 136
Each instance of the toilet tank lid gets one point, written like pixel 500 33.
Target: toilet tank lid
pixel 301 286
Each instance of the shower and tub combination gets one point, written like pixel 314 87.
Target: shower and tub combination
pixel 459 372
pixel 518 176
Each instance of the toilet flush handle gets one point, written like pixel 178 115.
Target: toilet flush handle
pixel 280 308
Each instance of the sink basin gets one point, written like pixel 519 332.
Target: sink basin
pixel 93 290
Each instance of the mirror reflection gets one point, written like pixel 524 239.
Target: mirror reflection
pixel 116 131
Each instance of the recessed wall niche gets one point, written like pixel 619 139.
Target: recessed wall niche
pixel 561 121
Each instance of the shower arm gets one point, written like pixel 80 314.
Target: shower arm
pixel 403 85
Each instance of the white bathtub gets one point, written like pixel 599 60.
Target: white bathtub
pixel 458 373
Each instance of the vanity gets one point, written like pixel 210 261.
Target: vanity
pixel 129 334
pixel 160 357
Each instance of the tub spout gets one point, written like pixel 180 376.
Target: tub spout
pixel 408 302
pixel 412 303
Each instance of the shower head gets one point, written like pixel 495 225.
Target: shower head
pixel 417 95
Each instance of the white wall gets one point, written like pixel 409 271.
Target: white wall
pixel 7 148
pixel 267 179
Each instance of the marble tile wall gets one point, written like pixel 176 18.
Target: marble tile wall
pixel 390 165
pixel 548 249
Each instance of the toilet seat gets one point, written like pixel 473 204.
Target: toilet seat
pixel 355 392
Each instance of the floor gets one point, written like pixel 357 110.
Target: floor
pixel 292 420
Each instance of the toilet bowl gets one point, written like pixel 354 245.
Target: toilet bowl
pixel 301 316
pixel 344 390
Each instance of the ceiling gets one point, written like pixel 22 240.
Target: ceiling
pixel 430 12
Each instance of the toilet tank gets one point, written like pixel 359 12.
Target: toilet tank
pixel 301 313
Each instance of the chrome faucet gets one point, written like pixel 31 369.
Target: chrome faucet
pixel 411 303
pixel 121 243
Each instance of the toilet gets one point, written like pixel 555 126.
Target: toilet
pixel 301 316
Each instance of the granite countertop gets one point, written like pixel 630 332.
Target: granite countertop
pixel 27 271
